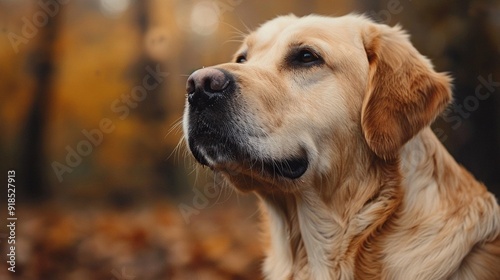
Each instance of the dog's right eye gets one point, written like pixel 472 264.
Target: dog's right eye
pixel 304 57
pixel 241 59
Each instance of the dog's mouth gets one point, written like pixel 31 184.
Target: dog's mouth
pixel 227 155
pixel 292 168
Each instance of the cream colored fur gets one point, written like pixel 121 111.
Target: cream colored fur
pixel 381 198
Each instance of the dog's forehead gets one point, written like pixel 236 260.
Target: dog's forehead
pixel 291 28
pixel 269 30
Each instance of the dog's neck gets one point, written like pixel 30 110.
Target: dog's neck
pixel 430 172
pixel 316 233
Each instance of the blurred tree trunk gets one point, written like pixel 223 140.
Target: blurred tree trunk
pixel 152 108
pixel 33 141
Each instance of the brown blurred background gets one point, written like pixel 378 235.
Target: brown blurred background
pixel 91 95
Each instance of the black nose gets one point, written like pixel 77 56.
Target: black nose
pixel 205 86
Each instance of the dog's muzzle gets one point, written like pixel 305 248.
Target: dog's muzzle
pixel 218 132
pixel 211 135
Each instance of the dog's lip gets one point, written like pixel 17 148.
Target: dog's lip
pixel 291 168
pixel 268 169
pixel 234 164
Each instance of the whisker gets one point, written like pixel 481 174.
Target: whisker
pixel 177 128
pixel 237 30
pixel 248 30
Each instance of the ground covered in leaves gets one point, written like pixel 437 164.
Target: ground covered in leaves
pixel 149 242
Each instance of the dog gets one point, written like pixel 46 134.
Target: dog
pixel 327 121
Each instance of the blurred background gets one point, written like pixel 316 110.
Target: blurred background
pixel 91 98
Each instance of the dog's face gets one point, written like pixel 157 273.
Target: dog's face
pixel 301 94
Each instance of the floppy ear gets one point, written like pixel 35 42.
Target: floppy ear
pixel 404 93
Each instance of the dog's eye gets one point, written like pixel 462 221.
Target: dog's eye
pixel 306 57
pixel 241 59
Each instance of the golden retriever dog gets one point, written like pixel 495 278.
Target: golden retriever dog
pixel 327 121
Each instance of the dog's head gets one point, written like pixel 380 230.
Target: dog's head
pixel 303 95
